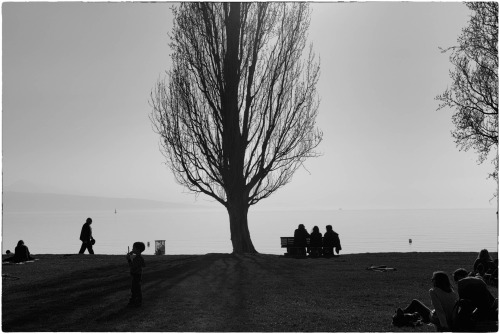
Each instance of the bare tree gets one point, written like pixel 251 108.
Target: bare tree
pixel 236 113
pixel 474 89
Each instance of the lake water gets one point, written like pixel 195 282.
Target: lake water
pixel 207 231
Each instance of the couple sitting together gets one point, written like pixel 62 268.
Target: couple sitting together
pixel 473 309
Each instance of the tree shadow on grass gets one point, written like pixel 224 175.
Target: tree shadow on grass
pixel 84 300
pixel 175 296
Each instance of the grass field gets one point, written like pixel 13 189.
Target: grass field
pixel 220 292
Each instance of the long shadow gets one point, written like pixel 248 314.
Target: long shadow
pixel 239 308
pixel 88 295
pixel 160 278
pixel 79 290
pixel 242 274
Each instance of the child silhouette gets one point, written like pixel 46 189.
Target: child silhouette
pixel 136 263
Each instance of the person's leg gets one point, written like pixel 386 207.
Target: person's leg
pixel 317 251
pixel 418 306
pixel 139 292
pixel 301 251
pixel 314 251
pixel 136 297
pixel 328 251
pixel 82 249
pixel 132 291
pixel 89 247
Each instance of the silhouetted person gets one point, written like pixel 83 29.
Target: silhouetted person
pixel 478 303
pixel 475 290
pixel 86 237
pixel 443 300
pixel 491 276
pixel 315 242
pixel 483 263
pixel 136 265
pixel 21 253
pixel 331 240
pixel 459 274
pixel 300 240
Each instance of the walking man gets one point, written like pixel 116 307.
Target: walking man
pixel 86 237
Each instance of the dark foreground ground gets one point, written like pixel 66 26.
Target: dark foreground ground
pixel 220 292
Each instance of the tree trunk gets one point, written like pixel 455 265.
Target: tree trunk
pixel 238 220
pixel 233 145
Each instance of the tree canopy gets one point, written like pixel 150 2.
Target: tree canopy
pixel 473 93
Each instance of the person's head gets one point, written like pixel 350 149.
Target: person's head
pixel 316 229
pixel 301 227
pixel 138 247
pixel 459 274
pixel 89 221
pixel 20 243
pixel 440 280
pixel 329 227
pixel 484 255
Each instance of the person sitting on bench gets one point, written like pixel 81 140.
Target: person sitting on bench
pixel 331 240
pixel 316 242
pixel 300 240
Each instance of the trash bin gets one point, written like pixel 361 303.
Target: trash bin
pixel 159 247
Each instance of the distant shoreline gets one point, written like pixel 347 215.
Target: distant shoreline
pixel 27 202
pixel 43 202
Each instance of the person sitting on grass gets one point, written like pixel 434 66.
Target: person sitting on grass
pixel 483 263
pixel 331 240
pixel 443 300
pixel 136 265
pixel 21 254
pixel 459 274
pixel 491 276
pixel 475 290
pixel 316 242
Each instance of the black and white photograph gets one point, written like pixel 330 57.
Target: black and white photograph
pixel 250 166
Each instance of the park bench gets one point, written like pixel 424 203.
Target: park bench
pixel 287 242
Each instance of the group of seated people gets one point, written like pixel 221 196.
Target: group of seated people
pixel 21 254
pixel 473 309
pixel 319 245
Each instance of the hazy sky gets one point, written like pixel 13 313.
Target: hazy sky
pixel 77 79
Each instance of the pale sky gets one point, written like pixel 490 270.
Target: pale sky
pixel 77 78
